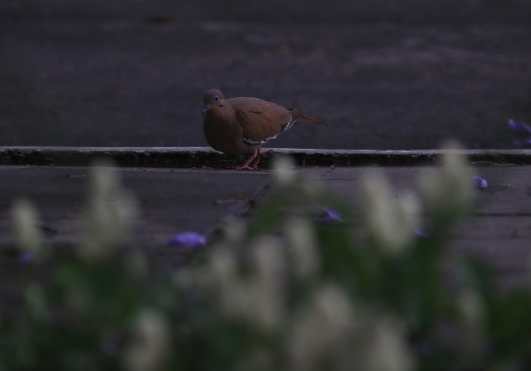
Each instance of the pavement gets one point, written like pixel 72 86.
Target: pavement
pixel 178 200
pixel 94 78
pixel 170 201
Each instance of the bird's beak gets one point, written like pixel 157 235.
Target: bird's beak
pixel 204 110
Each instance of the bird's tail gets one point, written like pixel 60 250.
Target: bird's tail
pixel 298 115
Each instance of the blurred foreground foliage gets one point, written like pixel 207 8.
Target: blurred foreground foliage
pixel 373 289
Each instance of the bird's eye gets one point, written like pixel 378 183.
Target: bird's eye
pixel 216 98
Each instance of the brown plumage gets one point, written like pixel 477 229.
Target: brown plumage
pixel 242 125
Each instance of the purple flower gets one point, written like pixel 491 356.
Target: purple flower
pixel 519 127
pixel 329 215
pixel 188 240
pixel 25 257
pixel 480 183
pixel 421 233
pixel 109 346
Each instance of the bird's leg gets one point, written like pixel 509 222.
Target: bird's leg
pixel 266 153
pixel 248 164
pixel 257 159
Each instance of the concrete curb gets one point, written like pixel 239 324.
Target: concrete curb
pixel 197 157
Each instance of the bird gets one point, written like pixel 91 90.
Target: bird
pixel 242 125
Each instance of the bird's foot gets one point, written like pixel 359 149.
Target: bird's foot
pixel 246 167
pixel 252 162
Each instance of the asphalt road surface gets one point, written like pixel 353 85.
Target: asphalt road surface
pixel 138 81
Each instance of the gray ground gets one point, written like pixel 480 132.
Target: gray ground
pixel 109 75
pixel 173 201
pixel 170 201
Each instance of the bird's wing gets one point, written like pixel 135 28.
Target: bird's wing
pixel 260 120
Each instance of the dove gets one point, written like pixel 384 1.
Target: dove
pixel 242 125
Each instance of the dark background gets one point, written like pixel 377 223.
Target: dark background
pixel 384 74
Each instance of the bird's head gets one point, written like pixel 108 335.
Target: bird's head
pixel 212 98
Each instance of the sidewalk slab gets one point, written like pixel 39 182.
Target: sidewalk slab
pixel 176 200
pixel 499 229
pixel 170 200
